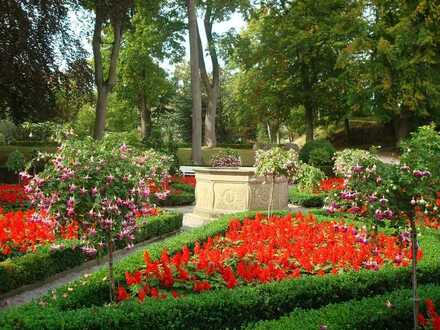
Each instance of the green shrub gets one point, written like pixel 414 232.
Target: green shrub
pixel 45 262
pixel 2 139
pixel 346 159
pixel 16 162
pixel 305 199
pixel 368 313
pixel 83 305
pixel 8 130
pixel 422 150
pixel 318 153
pixel 309 178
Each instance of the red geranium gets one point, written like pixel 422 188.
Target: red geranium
pixel 433 321
pixel 12 195
pixel 332 184
pixel 261 250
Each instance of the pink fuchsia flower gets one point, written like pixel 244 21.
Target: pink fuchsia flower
pixel 110 178
pixel 94 191
pixel 388 214
pixel 378 215
pixel 357 169
pixel 383 201
pixel 72 188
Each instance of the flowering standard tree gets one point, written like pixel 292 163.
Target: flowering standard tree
pixel 275 163
pixel 394 196
pixel 103 187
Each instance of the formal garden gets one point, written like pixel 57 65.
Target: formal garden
pixel 220 165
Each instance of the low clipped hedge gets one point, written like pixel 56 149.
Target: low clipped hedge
pixel 368 313
pixel 40 265
pixel 83 303
pixel 305 199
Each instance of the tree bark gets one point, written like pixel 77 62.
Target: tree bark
pixel 195 85
pixel 110 267
pixel 347 129
pixel 212 87
pixel 101 111
pixel 104 87
pixel 145 113
pixel 402 126
pixel 309 118
pixel 414 250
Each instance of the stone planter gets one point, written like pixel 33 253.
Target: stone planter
pixel 221 191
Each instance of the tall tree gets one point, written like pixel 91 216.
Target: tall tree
pixel 298 44
pixel 214 11
pixel 36 47
pixel 405 61
pixel 155 33
pixel 115 15
pixel 195 84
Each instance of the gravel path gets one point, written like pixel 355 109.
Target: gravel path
pixel 34 291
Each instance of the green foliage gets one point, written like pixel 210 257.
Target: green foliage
pixel 318 153
pixel 2 139
pixel 309 178
pixel 48 261
pixel 8 130
pixel 101 185
pixel 247 156
pixel 16 162
pixel 305 199
pixel 422 150
pixel 346 159
pixel 276 162
pixel 43 132
pixel 83 305
pixel 226 158
pixel 367 313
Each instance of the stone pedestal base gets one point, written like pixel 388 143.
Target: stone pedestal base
pixel 223 191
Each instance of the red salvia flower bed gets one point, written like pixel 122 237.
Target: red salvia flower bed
pixel 19 234
pixel 332 184
pixel 12 195
pixel 261 250
pixel 433 319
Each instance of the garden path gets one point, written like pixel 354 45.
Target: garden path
pixel 34 291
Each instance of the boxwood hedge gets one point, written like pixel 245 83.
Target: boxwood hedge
pixel 298 197
pixel 40 265
pixel 84 303
pixel 367 313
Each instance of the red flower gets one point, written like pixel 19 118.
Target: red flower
pixel 122 294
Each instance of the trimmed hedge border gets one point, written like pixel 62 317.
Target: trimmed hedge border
pixel 304 199
pixel 368 313
pixel 82 304
pixel 40 265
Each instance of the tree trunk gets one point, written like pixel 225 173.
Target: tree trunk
pixel 414 250
pixel 402 126
pixel 347 129
pixel 110 267
pixel 211 113
pixel 212 88
pixel 309 118
pixel 101 111
pixel 105 86
pixel 195 85
pixel 145 112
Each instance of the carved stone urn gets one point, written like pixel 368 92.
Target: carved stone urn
pixel 221 191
